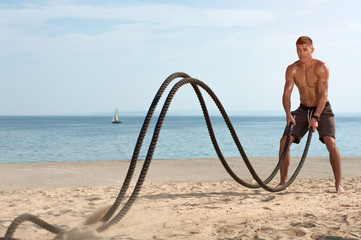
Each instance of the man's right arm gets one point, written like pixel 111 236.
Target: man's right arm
pixel 286 98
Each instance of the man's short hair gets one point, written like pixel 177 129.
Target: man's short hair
pixel 304 40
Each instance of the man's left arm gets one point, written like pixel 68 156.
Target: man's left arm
pixel 322 73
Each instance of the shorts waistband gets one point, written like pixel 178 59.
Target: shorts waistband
pixel 313 108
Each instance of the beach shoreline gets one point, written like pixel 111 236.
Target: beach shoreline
pixel 18 176
pixel 186 199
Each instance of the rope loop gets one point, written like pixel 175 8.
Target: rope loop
pixel 108 220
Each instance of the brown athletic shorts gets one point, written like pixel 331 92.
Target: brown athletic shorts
pixel 326 124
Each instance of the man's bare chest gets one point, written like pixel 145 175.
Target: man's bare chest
pixel 306 78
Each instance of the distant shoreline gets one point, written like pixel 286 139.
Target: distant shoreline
pixel 170 159
pixel 195 113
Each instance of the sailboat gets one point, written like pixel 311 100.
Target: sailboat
pixel 116 117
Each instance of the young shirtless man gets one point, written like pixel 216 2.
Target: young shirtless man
pixel 311 78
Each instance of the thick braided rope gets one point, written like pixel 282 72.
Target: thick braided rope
pixel 195 83
pixel 154 140
pixel 144 129
pixel 233 133
pixel 243 154
pixel 27 217
pixel 31 218
pixel 139 144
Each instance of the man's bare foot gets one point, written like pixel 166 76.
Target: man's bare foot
pixel 280 185
pixel 340 190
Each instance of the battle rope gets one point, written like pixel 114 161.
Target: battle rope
pixel 31 218
pixel 195 84
pixel 154 140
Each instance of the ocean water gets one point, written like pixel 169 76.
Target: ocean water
pixel 92 138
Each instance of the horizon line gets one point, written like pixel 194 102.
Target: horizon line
pixel 174 113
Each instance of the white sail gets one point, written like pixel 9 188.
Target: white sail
pixel 116 117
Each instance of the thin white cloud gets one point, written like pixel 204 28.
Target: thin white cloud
pixel 169 15
pixel 33 28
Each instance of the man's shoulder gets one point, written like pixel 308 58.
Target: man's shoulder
pixel 320 68
pixel 319 64
pixel 293 67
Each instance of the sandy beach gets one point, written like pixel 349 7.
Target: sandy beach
pixel 185 199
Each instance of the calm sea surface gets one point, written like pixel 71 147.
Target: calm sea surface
pixel 74 138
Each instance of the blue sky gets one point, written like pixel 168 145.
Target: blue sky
pixel 81 57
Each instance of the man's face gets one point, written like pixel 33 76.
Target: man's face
pixel 304 52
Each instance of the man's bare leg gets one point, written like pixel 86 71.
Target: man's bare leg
pixel 286 161
pixel 335 161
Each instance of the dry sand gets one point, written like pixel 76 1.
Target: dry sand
pixel 185 199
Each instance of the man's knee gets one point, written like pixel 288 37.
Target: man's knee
pixel 284 139
pixel 330 142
